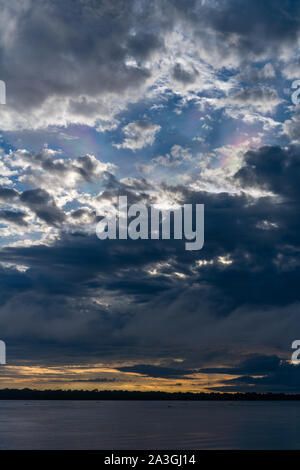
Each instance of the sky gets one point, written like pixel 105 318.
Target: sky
pixel 167 102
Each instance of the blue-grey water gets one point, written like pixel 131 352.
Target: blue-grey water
pixel 134 425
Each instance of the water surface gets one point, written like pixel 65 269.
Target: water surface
pixel 149 425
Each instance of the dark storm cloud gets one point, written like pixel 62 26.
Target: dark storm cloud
pixel 79 258
pixel 251 74
pixel 261 96
pixel 253 25
pixel 280 377
pixel 255 365
pixel 291 127
pixel 80 48
pixel 7 194
pixel 43 205
pixel 142 45
pixel 87 167
pixel 79 213
pixel 157 371
pixel 184 76
pixel 14 281
pixel 86 49
pixel 136 191
pixel 51 215
pixel 273 168
pixel 260 236
pixel 35 197
pixel 17 218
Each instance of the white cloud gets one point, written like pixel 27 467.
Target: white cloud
pixel 139 134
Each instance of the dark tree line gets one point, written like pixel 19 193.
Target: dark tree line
pixel 28 394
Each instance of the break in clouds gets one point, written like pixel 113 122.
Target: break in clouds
pixel 165 102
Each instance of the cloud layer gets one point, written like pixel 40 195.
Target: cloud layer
pixel 165 102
